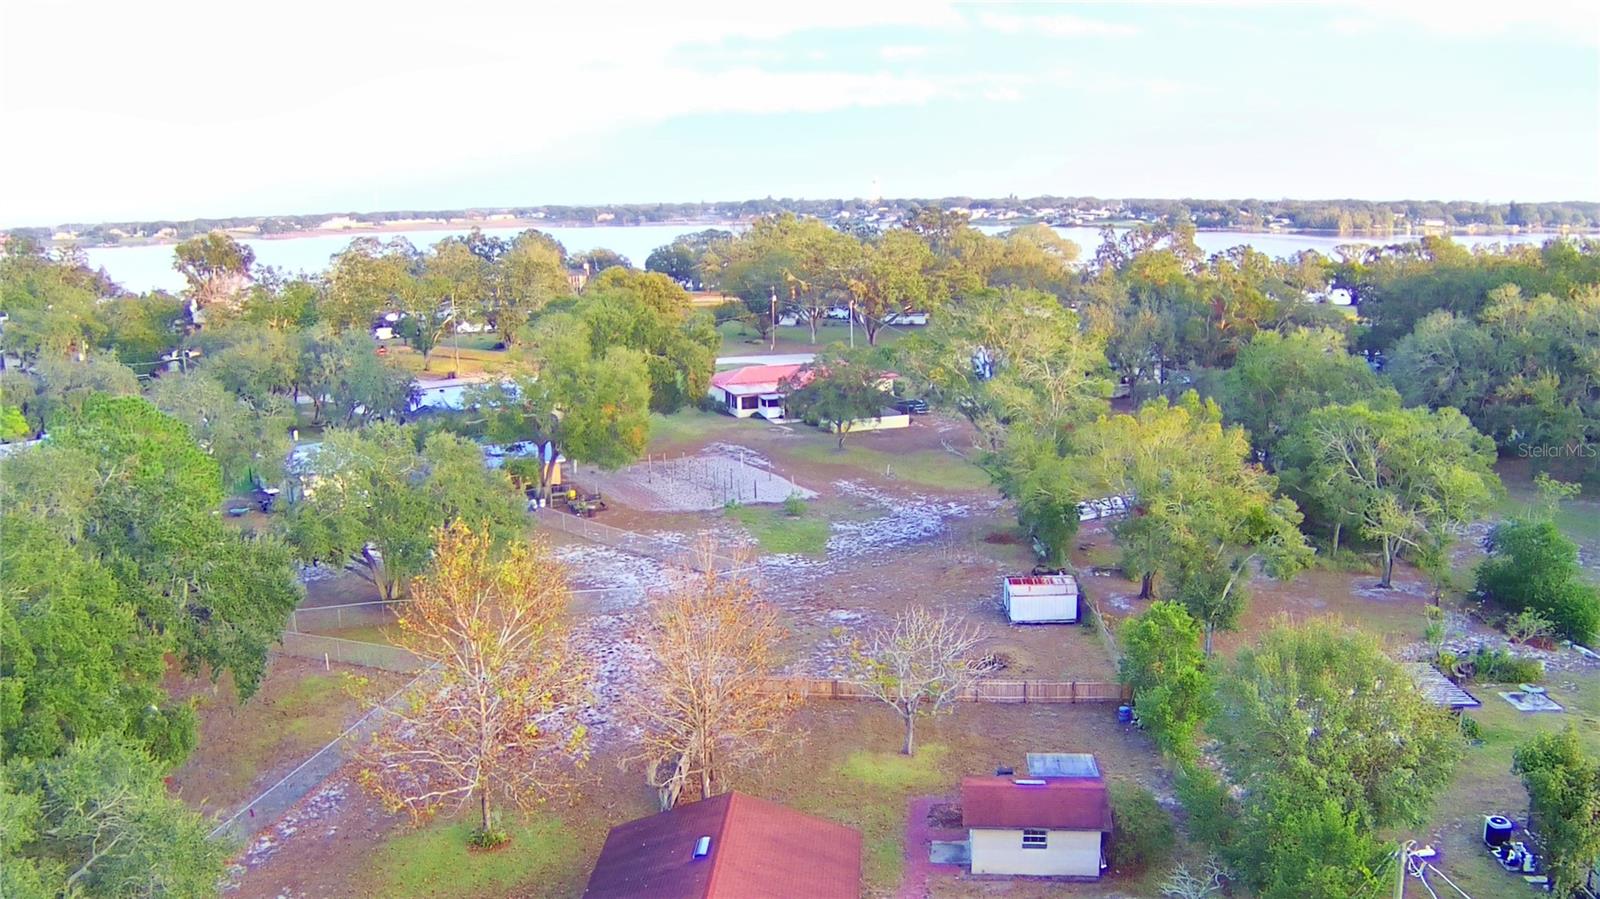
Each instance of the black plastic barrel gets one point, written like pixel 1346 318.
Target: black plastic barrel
pixel 1497 830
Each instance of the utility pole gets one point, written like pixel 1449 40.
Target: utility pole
pixel 774 344
pixel 1404 859
pixel 455 332
pixel 852 323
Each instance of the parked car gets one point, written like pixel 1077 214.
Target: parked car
pixel 912 406
pixel 839 313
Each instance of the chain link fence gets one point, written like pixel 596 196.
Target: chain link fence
pixel 262 811
pixel 351 652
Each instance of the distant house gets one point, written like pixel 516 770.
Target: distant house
pixel 445 394
pixel 731 846
pixel 752 390
pixel 578 278
pixel 1051 823
pixel 761 390
pixel 1040 599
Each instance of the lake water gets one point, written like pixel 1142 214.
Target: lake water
pixel 150 267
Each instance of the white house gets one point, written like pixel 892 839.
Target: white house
pixel 446 393
pixel 1040 598
pixel 752 390
pixel 1051 823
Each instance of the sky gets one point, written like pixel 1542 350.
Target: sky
pixel 174 110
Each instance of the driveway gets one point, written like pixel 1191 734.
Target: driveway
pixel 769 359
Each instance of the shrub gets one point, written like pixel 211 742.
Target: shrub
pixel 1144 830
pixel 1497 666
pixel 1527 626
pixel 794 506
pixel 1532 565
pixel 488 838
pixel 1162 662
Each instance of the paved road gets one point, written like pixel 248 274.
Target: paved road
pixel 777 359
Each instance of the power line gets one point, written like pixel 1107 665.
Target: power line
pixel 1430 866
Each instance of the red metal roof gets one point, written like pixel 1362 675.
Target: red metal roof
pixel 752 375
pixel 1058 803
pixel 759 850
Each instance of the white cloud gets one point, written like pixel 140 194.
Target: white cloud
pixel 1056 25
pixel 195 111
pixel 1561 20
pixel 902 53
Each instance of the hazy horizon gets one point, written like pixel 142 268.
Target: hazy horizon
pixel 190 111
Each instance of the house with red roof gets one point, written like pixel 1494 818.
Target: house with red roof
pixel 731 846
pixel 1051 823
pixel 755 389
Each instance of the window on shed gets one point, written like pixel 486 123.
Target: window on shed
pixel 1035 839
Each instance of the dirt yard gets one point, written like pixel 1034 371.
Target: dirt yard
pixel 844 766
pixel 896 519
pixel 245 748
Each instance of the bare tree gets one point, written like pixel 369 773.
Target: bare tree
pixel 498 720
pixel 705 712
pixel 918 665
pixel 1184 883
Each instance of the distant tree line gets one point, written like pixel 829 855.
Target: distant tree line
pixel 1338 216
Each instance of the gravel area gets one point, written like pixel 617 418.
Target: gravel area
pixel 721 473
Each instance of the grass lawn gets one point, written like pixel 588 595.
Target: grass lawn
pixel 1485 785
pixel 436 861
pixel 739 339
pixel 780 533
pixel 849 770
pixel 689 425
pixel 925 468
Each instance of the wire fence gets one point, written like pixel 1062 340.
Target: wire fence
pixel 1006 691
pixel 351 652
pixel 262 811
pixel 641 545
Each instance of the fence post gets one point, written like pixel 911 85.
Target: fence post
pixel 1072 693
pixel 1024 692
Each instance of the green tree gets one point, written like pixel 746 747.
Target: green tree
pixel 217 267
pixel 1278 378
pixel 52 304
pixel 1006 357
pixel 891 274
pixel 65 384
pixel 98 821
pixel 246 440
pixel 1329 744
pixel 13 425
pixel 1163 664
pixel 526 279
pixel 1564 791
pixel 151 507
pixel 372 497
pixel 1533 566
pixel 78 663
pixel 1408 475
pixel 839 390
pixel 1203 513
pixel 366 279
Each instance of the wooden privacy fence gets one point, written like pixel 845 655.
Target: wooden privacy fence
pixel 981 691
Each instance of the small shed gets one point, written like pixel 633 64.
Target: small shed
pixel 1052 823
pixel 1040 598
pixel 731 846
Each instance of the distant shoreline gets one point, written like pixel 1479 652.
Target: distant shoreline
pixel 459 225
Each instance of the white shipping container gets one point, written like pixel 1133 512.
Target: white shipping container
pixel 1040 599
